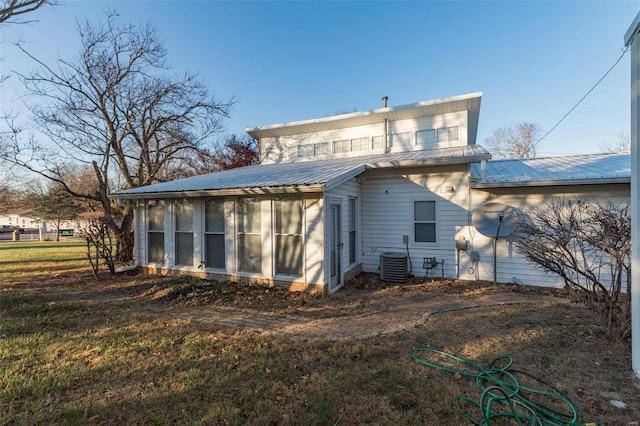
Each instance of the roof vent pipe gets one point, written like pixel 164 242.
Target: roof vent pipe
pixel 386 126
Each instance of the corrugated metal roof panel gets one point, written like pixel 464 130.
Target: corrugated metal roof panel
pixel 307 173
pixel 574 168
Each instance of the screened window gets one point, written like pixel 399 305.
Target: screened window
pixel 183 211
pixel 155 234
pixel 214 233
pixel 424 214
pixel 249 235
pixel 288 232
pixel 352 230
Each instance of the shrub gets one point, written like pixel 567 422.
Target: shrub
pixel 588 244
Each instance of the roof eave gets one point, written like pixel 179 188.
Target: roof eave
pixel 471 100
pixel 463 159
pixel 560 182
pixel 287 189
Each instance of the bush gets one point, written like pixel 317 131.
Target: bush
pixel 588 244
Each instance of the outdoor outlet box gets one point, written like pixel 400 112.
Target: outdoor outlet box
pixel 405 239
pixel 475 255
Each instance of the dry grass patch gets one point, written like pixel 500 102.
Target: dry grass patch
pixel 77 351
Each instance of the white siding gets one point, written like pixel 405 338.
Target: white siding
pixel 511 265
pixel 387 215
pixel 284 148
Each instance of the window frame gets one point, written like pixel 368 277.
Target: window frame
pixel 156 232
pixel 352 229
pixel 242 234
pixel 397 140
pixel 207 233
pixel 287 235
pixel 378 139
pixel 182 232
pixel 435 221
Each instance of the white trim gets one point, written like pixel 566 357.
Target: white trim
pixel 412 238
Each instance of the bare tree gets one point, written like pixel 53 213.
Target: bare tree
pixel 620 143
pixel 115 109
pixel 588 244
pixel 10 9
pixel 518 141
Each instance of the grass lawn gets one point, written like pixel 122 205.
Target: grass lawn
pixel 69 357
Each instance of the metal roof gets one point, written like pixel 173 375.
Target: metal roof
pixel 562 170
pixel 303 176
pixel 469 102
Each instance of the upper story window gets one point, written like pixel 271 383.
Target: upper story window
pixel 448 134
pixel 426 137
pixel 350 145
pixel 341 146
pixel 400 140
pixel 377 142
pixel 433 137
pixel 313 149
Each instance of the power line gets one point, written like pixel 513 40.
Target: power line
pixel 625 50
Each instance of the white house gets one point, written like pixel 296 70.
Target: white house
pixel 333 194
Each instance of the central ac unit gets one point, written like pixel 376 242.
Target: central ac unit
pixel 394 267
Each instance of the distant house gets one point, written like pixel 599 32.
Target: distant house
pixel 20 219
pixel 333 194
pixel 26 220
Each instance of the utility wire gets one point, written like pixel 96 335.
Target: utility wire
pixel 625 50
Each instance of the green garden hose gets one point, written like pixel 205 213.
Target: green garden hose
pixel 504 394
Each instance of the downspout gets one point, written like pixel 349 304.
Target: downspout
pixel 386 126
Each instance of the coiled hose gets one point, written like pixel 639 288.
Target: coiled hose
pixel 504 392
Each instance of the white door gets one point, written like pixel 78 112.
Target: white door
pixel 335 246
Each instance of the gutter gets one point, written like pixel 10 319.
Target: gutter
pixel 316 187
pixel 462 159
pixel 561 182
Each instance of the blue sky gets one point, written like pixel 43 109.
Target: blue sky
pixel 289 61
